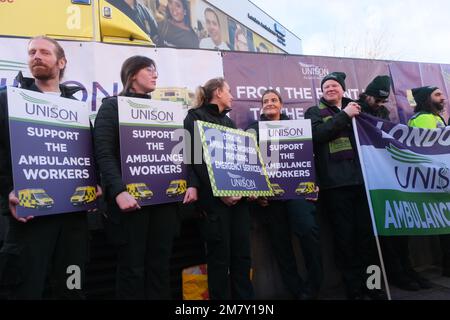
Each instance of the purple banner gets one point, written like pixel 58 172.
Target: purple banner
pixel 381 134
pixel 152 171
pixel 409 75
pixel 52 155
pixel 366 71
pixel 287 150
pixel 406 176
pixel 297 78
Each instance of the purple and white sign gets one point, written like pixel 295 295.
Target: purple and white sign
pixel 234 162
pixel 287 149
pixel 406 176
pixel 152 169
pixel 52 156
pixel 409 75
pixel 296 78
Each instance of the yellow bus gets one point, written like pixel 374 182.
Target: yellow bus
pixel 80 20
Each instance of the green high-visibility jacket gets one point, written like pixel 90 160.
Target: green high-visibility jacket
pixel 426 121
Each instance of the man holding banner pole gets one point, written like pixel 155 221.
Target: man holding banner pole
pixel 342 187
pixel 395 249
pixel 32 243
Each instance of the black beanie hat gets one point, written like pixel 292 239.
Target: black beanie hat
pixel 421 94
pixel 380 87
pixel 336 76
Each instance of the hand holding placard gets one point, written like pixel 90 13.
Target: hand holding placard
pixel 13 202
pixel 127 202
pixel 191 195
pixel 230 201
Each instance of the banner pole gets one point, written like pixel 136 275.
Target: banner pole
pixel 372 217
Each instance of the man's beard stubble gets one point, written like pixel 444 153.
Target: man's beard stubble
pixel 43 73
pixel 439 106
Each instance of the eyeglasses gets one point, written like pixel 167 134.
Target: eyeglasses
pixel 152 71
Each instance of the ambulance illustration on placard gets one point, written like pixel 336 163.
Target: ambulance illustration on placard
pixel 305 188
pixel 176 188
pixel 83 195
pixel 139 191
pixel 277 190
pixel 35 199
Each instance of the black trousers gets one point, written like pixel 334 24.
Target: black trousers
pixel 354 241
pixel 44 247
pixel 143 269
pixel 396 256
pixel 226 231
pixel 297 216
pixel 445 249
pixel 302 221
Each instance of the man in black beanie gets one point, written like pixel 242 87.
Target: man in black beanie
pixel 375 96
pixel 342 194
pixel 395 249
pixel 339 77
pixel 430 103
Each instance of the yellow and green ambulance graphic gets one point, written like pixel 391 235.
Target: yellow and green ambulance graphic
pixel 139 191
pixel 277 190
pixel 176 188
pixel 35 199
pixel 83 195
pixel 305 188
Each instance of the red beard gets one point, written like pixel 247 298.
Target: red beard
pixel 41 71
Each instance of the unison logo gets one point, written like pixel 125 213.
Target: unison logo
pixel 238 181
pixel 419 171
pixel 43 108
pixel 146 112
pixel 283 131
pixel 311 71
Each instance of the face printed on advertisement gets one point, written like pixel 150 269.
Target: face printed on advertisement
pixel 177 10
pixel 213 26
pixel 240 42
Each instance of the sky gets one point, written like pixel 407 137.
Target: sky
pixel 411 30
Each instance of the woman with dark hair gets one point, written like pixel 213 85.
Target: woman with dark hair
pixel 226 222
pixel 175 30
pixel 144 235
